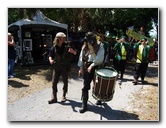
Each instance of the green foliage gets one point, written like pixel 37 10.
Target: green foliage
pixel 115 20
pixel 13 15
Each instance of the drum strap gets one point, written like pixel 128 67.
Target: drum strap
pixel 91 49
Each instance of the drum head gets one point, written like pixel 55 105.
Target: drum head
pixel 106 73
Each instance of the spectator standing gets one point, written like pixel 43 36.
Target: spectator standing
pixel 106 49
pixel 130 54
pixel 141 31
pixel 11 55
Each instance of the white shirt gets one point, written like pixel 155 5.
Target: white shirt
pixel 95 61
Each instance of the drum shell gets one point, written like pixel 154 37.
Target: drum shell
pixel 104 87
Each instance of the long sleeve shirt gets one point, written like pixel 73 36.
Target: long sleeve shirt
pixel 142 53
pixel 95 61
pixel 121 50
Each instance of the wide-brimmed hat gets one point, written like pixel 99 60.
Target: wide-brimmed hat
pixel 60 34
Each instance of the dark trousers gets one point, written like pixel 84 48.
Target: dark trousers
pixel 88 77
pixel 140 70
pixel 57 72
pixel 10 66
pixel 119 66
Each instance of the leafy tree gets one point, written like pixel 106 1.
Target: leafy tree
pixel 116 20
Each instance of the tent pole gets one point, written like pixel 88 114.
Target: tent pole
pixel 67 34
pixel 21 46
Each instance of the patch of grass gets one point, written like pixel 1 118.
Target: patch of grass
pixel 146 104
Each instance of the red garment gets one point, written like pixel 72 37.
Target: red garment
pixel 151 54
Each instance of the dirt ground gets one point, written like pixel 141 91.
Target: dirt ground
pixel 29 80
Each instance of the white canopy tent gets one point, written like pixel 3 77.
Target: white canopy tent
pixel 39 19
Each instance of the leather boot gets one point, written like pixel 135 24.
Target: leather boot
pixel 64 97
pixel 135 81
pixel 84 107
pixel 121 77
pixel 98 102
pixel 84 102
pixel 54 99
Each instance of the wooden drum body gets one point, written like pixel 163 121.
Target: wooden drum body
pixel 104 84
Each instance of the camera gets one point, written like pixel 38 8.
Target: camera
pixel 68 44
pixel 90 38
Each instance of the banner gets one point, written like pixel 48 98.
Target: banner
pixel 138 36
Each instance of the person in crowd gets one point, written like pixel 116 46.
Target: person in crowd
pixel 59 57
pixel 141 51
pixel 130 54
pixel 114 40
pixel 106 49
pixel 152 55
pixel 141 31
pixel 108 39
pixel 121 50
pixel 11 55
pixel 91 56
pixel 156 50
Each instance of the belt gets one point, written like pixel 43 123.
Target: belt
pixel 89 62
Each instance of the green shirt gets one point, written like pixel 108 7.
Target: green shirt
pixel 106 46
pixel 121 50
pixel 142 53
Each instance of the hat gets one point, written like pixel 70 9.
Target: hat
pixel 143 38
pixel 60 34
pixel 123 37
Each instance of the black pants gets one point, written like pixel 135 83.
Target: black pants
pixel 119 66
pixel 88 77
pixel 140 70
pixel 57 72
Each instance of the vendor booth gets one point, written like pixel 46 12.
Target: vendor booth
pixel 34 37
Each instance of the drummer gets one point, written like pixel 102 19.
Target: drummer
pixel 91 56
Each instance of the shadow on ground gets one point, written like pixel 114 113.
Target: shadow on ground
pixel 108 113
pixel 104 111
pixel 16 84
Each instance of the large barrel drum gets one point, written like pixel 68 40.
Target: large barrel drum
pixel 104 84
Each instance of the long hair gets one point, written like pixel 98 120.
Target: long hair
pixel 56 41
pixel 91 38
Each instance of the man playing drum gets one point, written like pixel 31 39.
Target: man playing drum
pixel 91 56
